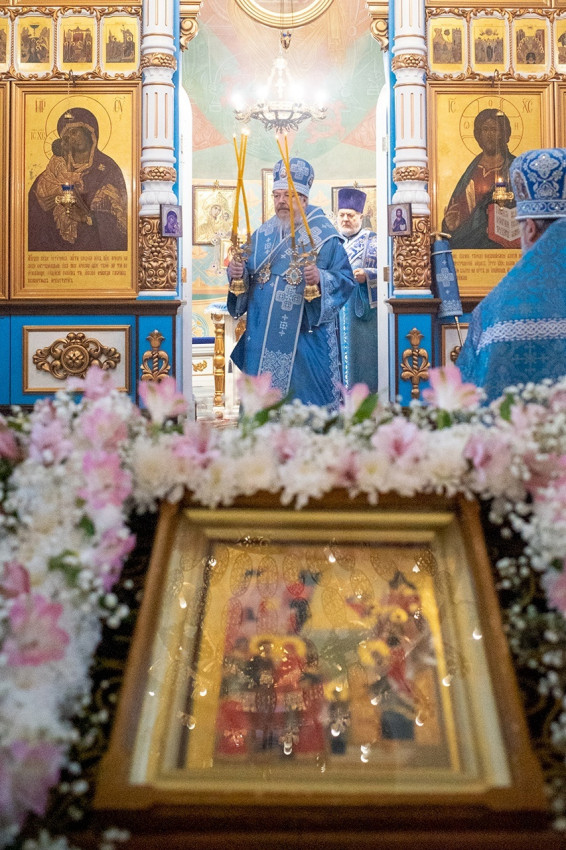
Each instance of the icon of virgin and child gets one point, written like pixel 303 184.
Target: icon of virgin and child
pixel 94 214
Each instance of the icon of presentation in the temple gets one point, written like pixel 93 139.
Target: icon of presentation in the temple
pixel 76 156
pixel 171 220
pixel 400 219
pixel 77 44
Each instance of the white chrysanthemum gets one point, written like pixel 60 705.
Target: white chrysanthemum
pixel 155 470
pixel 444 464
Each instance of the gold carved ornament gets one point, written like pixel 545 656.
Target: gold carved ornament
pixel 155 362
pixel 189 27
pixel 410 172
pixel 200 366
pixel 158 60
pixel 379 12
pixel 411 256
pixel 74 355
pixel 415 362
pixel 165 173
pixel 408 60
pixel 219 359
pixel 157 257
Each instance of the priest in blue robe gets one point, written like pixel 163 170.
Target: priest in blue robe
pixel 517 334
pixel 358 317
pixel 292 295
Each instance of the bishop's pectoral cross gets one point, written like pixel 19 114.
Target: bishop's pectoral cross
pixel 288 298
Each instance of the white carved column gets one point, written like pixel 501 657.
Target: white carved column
pixel 411 266
pixel 158 255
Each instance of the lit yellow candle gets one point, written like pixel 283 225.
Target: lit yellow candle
pixel 244 149
pixel 235 218
pixel 293 191
pixel 290 191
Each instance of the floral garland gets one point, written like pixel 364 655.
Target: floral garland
pixel 74 469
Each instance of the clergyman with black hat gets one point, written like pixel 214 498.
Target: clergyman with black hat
pixel 97 220
pixel 517 334
pixel 293 337
pixel 358 317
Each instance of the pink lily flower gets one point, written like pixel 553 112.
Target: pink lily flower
pixel 448 392
pixel 162 399
pixel 352 398
pixel 34 637
pixel 27 773
pixel 257 393
pixel 14 580
pixel 97 383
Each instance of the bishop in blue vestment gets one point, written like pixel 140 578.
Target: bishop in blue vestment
pixel 518 332
pixel 358 317
pixel 293 338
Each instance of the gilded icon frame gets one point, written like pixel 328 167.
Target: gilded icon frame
pixel 399 225
pixel 453 106
pixel 267 208
pixel 57 273
pixel 4 111
pixel 205 198
pixel 191 576
pixel 450 334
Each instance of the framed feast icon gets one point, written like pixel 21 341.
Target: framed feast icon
pixel 475 132
pixel 345 657
pixel 76 155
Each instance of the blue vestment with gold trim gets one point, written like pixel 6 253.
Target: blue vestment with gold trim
pixel 296 341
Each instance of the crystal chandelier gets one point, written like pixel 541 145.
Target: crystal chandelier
pixel 277 108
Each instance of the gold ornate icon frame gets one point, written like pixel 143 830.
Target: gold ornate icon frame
pixel 169 751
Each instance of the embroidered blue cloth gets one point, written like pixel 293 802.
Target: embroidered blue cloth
pixel 358 317
pixel 293 339
pixel 517 333
pixel 445 280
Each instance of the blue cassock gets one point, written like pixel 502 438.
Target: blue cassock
pixel 296 341
pixel 358 317
pixel 518 332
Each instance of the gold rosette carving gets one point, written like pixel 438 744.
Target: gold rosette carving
pixel 158 172
pixel 74 355
pixel 411 256
pixel 410 172
pixel 157 257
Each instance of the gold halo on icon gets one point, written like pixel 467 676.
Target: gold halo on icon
pixel 491 101
pixel 71 102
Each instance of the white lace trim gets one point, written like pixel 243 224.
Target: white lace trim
pixel 523 329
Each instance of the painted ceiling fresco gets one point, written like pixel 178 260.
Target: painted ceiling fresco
pixel 233 55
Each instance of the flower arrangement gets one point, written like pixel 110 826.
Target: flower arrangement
pixel 75 469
